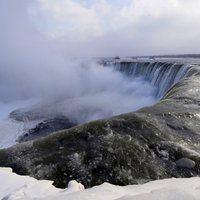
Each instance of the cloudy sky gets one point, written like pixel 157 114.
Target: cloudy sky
pixel 105 27
pixel 38 38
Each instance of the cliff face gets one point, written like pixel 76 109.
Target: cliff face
pixel 153 143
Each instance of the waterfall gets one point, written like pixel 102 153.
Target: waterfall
pixel 161 75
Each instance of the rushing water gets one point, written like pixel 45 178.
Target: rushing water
pixel 161 75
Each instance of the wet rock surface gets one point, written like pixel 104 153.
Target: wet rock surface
pixel 155 142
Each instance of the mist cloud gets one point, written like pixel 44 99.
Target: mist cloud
pixel 36 66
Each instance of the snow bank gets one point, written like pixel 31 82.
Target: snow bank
pixel 15 187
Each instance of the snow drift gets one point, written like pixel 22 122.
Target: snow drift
pixel 17 187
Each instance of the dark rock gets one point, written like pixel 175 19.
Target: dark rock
pixel 46 127
pixel 185 162
pixel 21 116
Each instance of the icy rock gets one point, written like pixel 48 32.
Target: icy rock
pixel 185 162
pixel 74 186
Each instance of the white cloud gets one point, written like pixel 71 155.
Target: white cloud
pixel 108 27
pixel 146 27
pixel 72 19
pixel 67 18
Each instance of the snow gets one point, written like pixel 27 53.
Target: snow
pixel 16 187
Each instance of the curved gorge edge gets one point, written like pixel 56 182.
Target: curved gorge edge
pixel 160 75
pixel 161 135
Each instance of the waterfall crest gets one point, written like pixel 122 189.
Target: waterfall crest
pixel 161 75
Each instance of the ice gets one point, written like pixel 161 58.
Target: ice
pixel 11 129
pixel 9 132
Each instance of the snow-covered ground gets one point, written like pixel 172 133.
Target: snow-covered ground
pixel 15 187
